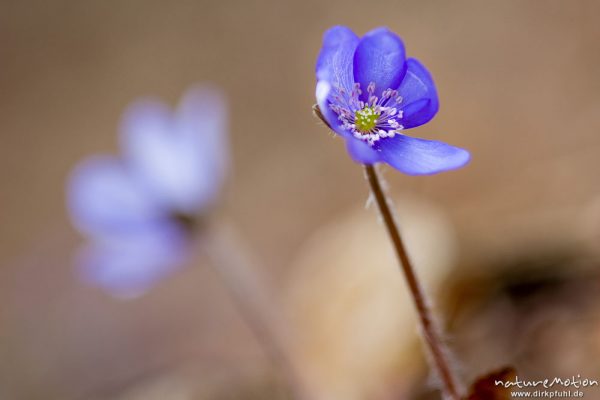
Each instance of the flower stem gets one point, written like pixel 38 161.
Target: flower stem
pixel 428 326
pixel 436 347
pixel 232 261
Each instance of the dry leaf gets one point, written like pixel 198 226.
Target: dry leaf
pixel 485 388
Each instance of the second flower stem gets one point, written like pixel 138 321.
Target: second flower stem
pixel 234 264
pixel 428 326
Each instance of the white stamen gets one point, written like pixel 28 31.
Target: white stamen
pixel 350 110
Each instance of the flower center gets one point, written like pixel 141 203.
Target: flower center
pixel 371 120
pixel 366 119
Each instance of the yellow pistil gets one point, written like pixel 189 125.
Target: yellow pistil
pixel 366 119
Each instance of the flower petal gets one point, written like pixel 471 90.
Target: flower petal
pixel 203 112
pixel 146 116
pixel 180 157
pixel 361 152
pixel 419 97
pixel 322 92
pixel 379 58
pixel 419 156
pixel 334 64
pixel 103 198
pixel 129 265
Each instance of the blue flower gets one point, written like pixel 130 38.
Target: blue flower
pixel 370 93
pixel 139 210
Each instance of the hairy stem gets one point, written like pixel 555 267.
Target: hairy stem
pixel 428 326
pixel 434 343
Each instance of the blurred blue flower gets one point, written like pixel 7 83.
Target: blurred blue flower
pixel 369 93
pixel 138 210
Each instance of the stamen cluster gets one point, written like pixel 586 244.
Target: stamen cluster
pixel 370 121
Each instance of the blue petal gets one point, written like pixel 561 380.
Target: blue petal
pixel 129 265
pixel 180 156
pixel 203 113
pixel 322 92
pixel 203 118
pixel 103 197
pixel 419 97
pixel 361 152
pixel 334 70
pixel 419 156
pixel 334 64
pixel 379 58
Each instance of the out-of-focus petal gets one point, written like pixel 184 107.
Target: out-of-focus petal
pixel 104 198
pixel 414 156
pixel 128 265
pixel 361 152
pixel 147 116
pixel 379 58
pixel 203 112
pixel 334 64
pixel 419 97
pixel 180 156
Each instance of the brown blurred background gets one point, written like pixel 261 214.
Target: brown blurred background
pixel 519 87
